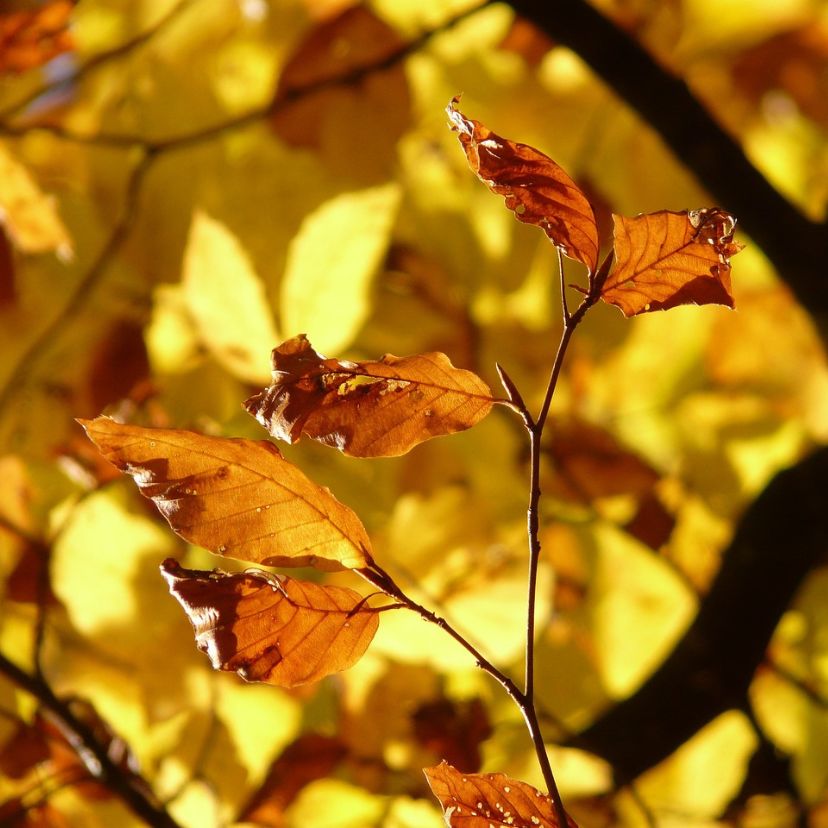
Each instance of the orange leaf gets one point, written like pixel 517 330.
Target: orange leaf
pixel 367 409
pixel 667 259
pixel 32 38
pixel 485 800
pixel 271 628
pixel 535 187
pixel 239 498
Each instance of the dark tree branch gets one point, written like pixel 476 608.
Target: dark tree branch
pixel 797 247
pixel 780 538
pixel 131 788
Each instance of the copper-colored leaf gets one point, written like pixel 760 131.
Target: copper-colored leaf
pixel 453 730
pixel 486 800
pixel 367 409
pixel 312 756
pixel 667 259
pixel 271 628
pixel 30 38
pixel 589 463
pixel 235 497
pixel 534 186
pixel 345 71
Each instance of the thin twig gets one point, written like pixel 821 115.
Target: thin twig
pixel 379 578
pixel 132 789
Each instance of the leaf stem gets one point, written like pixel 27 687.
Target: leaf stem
pixel 378 577
pixel 535 428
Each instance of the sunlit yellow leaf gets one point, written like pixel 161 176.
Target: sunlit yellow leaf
pixel 705 773
pixel 31 217
pixel 641 607
pixel 227 300
pixel 331 803
pixel 331 264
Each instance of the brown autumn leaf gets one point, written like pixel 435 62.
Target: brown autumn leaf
pixel 312 756
pixel 344 71
pixel 534 186
pixel 667 259
pixel 792 62
pixel 367 409
pixel 270 628
pixel 486 800
pixel 453 730
pixel 589 463
pixel 235 497
pixel 30 38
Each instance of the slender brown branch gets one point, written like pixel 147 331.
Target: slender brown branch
pixel 132 789
pixel 379 578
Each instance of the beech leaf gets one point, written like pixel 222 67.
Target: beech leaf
pixel 669 258
pixel 367 409
pixel 270 628
pixel 235 497
pixel 534 186
pixel 486 800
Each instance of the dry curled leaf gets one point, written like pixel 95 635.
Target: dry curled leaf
pixel 30 38
pixel 534 186
pixel 271 628
pixel 367 409
pixel 487 800
pixel 667 259
pixel 235 497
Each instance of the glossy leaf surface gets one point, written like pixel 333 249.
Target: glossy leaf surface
pixel 367 409
pixel 235 497
pixel 278 630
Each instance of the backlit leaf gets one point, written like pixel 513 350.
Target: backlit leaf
pixel 30 38
pixel 344 72
pixel 273 629
pixel 30 216
pixel 227 299
pixel 534 186
pixel 367 409
pixel 331 263
pixel 667 259
pixel 235 497
pixel 486 800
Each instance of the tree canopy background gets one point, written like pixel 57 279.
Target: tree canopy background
pixel 186 183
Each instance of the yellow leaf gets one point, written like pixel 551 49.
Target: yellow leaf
pixel 227 300
pixel 332 262
pixel 705 773
pixel 641 608
pixel 29 215
pixel 330 803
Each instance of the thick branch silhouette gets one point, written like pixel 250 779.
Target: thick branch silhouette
pixel 797 247
pixel 780 538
